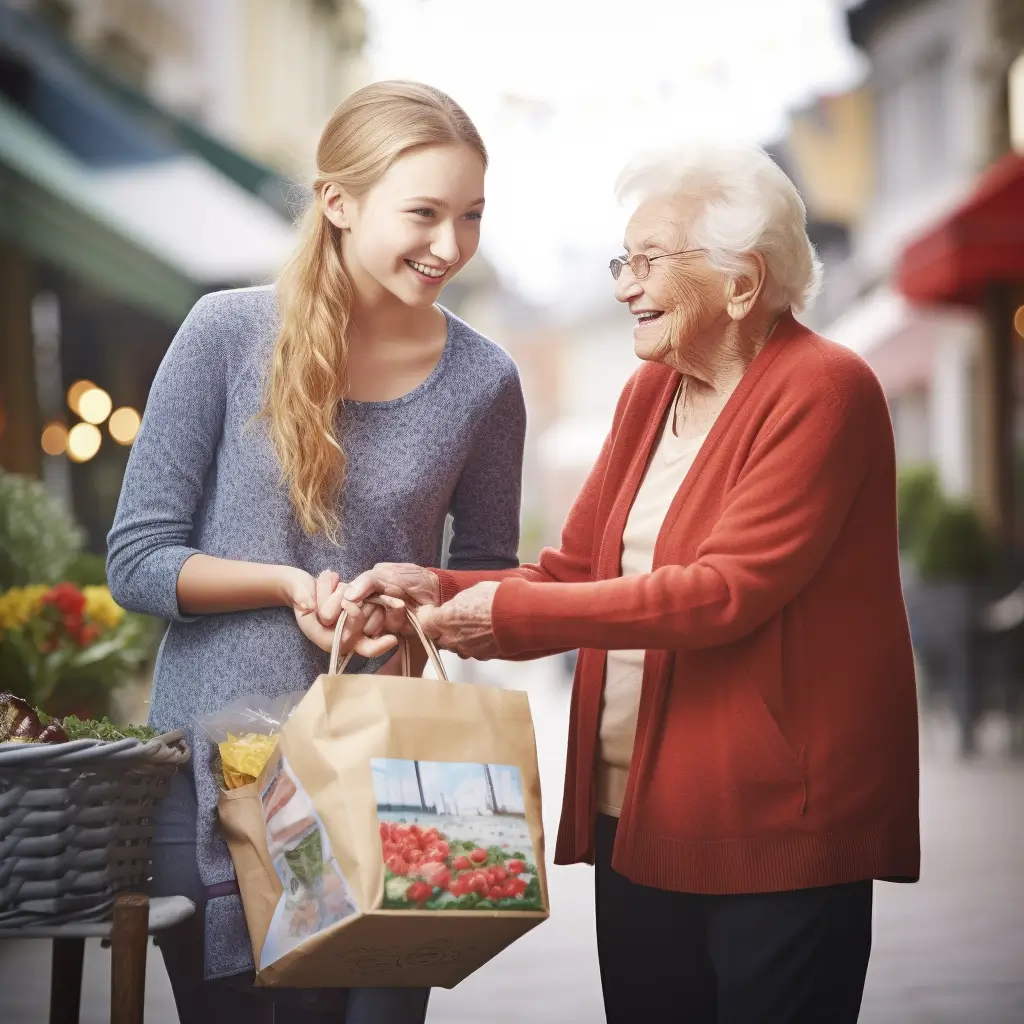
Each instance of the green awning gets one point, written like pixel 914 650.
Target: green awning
pixel 49 207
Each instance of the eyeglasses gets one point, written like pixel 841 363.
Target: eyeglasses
pixel 640 264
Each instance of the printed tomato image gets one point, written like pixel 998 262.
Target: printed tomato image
pixel 454 836
pixel 419 892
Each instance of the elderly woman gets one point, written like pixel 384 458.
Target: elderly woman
pixel 742 757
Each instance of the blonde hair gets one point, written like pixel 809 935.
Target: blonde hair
pixel 746 204
pixel 307 381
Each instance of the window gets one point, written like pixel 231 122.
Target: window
pixel 913 123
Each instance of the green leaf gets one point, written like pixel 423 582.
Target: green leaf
pixel 96 652
pixel 38 536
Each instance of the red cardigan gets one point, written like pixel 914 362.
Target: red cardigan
pixel 777 745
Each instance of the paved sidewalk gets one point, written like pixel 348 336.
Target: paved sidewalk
pixel 949 950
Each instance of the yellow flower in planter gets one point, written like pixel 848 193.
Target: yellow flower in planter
pixel 100 607
pixel 20 605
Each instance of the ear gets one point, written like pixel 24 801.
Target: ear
pixel 743 289
pixel 337 206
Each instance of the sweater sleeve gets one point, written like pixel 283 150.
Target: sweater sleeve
pixel 485 505
pixel 163 482
pixel 775 530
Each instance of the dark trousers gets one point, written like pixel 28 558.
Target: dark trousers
pixel 795 957
pixel 236 1000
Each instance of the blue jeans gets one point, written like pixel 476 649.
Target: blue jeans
pixel 176 873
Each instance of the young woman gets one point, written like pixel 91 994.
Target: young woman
pixel 295 436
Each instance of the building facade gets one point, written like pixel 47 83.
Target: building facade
pixel 933 103
pixel 104 105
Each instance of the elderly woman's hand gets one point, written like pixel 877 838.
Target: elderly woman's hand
pixel 409 583
pixel 464 624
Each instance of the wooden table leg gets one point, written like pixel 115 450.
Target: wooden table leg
pixel 66 980
pixel 129 938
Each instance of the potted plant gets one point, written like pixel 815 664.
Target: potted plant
pixel 65 646
pixel 953 557
pixel 918 491
pixel 65 649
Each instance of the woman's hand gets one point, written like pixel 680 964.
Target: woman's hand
pixel 408 583
pixel 311 601
pixel 464 624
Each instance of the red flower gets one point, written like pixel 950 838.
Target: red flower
pixel 67 599
pixel 477 881
pixel 478 856
pixel 435 873
pixel 515 867
pixel 398 865
pixel 460 863
pixel 84 635
pixel 437 851
pixel 419 892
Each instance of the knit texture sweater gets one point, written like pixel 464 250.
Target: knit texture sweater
pixel 776 744
pixel 203 477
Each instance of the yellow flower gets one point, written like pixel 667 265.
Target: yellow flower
pixel 101 608
pixel 19 605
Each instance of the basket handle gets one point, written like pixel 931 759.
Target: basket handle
pixel 334 668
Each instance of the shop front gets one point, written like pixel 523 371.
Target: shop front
pixel 974 259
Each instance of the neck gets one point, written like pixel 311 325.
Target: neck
pixel 717 359
pixel 380 316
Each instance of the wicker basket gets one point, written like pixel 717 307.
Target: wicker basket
pixel 76 823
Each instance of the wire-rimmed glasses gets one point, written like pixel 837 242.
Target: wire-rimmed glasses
pixel 640 263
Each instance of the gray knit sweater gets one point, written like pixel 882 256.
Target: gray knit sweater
pixel 203 477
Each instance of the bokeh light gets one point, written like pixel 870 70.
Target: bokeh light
pixel 54 439
pixel 76 391
pixel 94 405
pixel 83 442
pixel 124 424
pixel 1018 321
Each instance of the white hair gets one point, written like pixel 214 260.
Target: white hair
pixel 746 204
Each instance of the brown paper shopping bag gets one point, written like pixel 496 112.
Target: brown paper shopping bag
pixel 395 837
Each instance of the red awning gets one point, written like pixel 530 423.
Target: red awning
pixel 981 241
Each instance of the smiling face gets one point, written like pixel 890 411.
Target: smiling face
pixel 416 228
pixel 683 297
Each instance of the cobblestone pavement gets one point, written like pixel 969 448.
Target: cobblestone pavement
pixel 949 950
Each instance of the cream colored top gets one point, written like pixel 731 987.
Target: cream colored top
pixel 666 470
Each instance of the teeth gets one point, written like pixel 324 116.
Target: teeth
pixel 647 316
pixel 429 271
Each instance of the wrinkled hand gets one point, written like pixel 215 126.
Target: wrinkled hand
pixel 408 583
pixel 371 626
pixel 315 601
pixel 464 624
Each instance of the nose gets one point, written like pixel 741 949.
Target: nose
pixel 445 246
pixel 627 287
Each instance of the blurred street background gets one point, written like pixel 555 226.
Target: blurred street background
pixel 154 150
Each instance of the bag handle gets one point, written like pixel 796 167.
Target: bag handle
pixel 334 668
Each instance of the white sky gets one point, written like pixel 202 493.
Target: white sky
pixel 564 92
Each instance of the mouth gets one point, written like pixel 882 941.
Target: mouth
pixel 432 274
pixel 646 316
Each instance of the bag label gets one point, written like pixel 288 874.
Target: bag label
pixel 454 836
